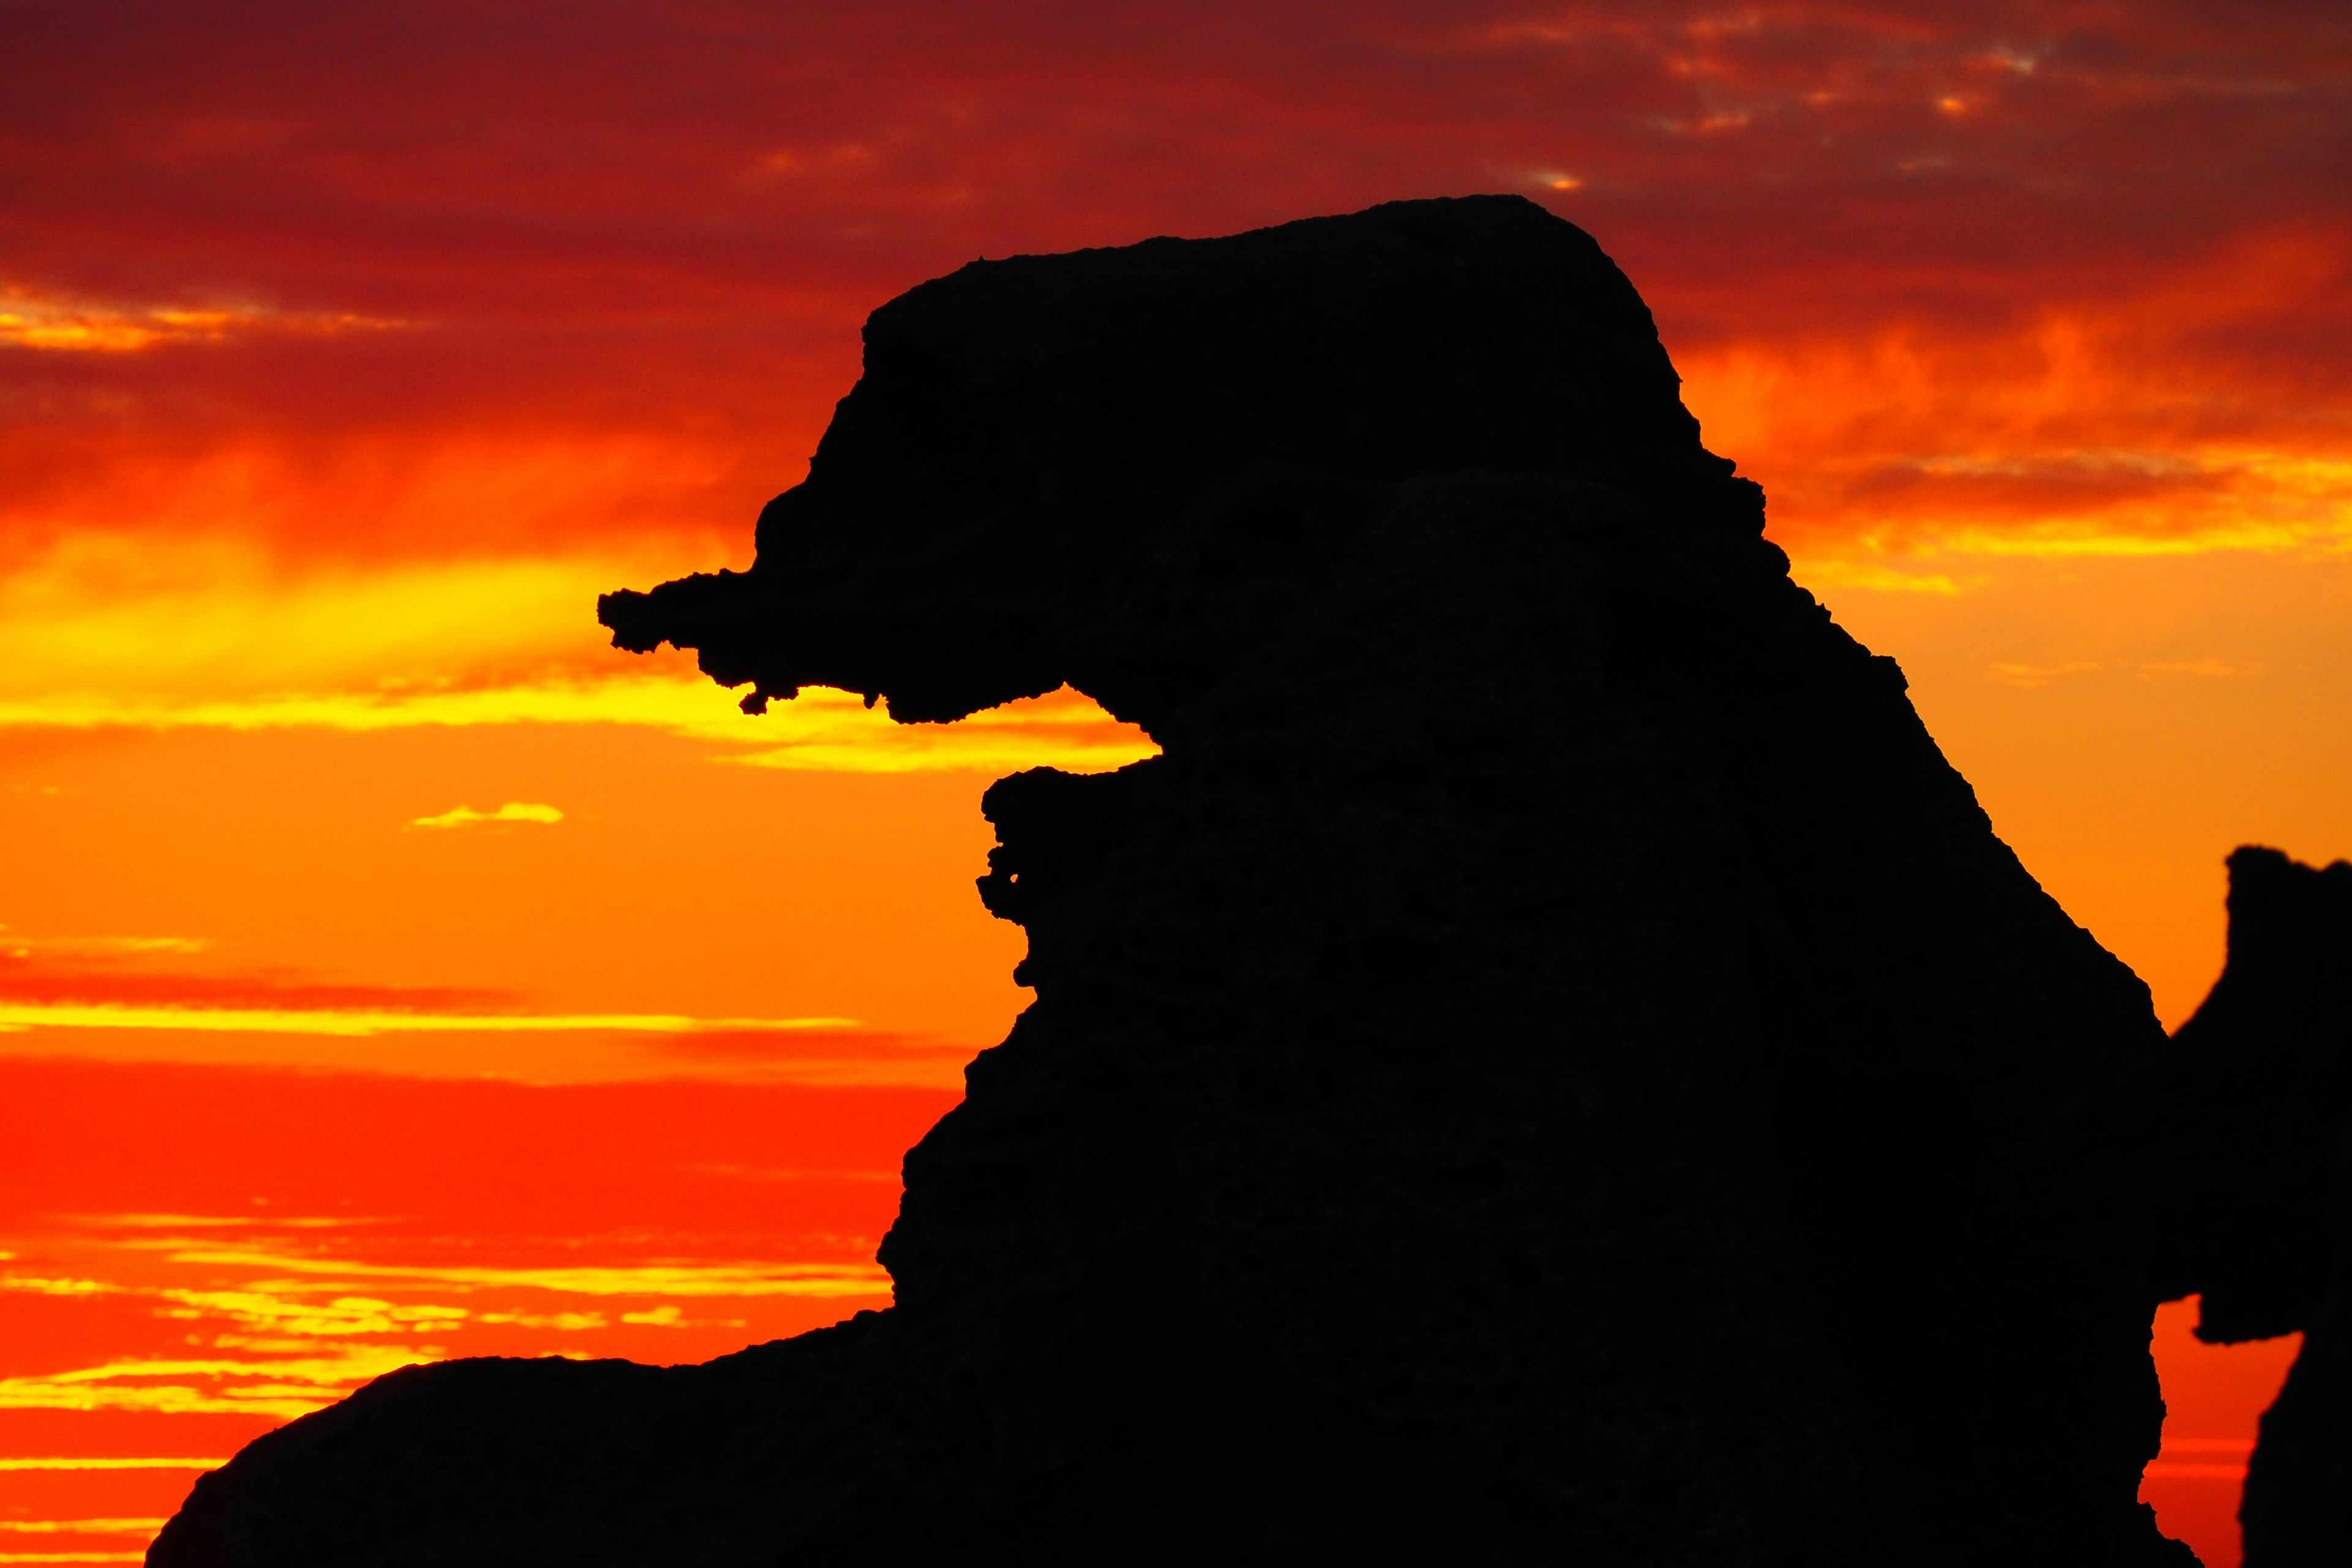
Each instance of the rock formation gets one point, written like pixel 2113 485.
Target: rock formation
pixel 1551 1065
pixel 2250 1110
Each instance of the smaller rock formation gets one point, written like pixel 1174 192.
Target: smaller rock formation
pixel 2251 1105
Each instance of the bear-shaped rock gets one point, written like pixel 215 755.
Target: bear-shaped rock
pixel 1549 1064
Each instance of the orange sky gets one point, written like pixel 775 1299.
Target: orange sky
pixel 346 354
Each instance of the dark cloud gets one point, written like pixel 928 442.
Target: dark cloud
pixel 609 217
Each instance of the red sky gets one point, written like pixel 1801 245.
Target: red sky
pixel 346 352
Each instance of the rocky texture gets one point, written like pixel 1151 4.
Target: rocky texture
pixel 1551 1065
pixel 2252 1104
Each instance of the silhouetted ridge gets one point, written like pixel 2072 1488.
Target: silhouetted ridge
pixel 1551 1065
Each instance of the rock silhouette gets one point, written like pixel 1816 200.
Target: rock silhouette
pixel 1551 1065
pixel 2251 1105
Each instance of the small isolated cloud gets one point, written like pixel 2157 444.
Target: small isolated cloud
pixel 513 811
pixel 659 1316
pixel 2036 675
pixel 2209 668
pixel 2033 675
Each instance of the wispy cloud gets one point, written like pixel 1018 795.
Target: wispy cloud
pixel 1838 570
pixel 37 991
pixel 283 1386
pixel 70 326
pixel 120 1007
pixel 96 947
pixel 32 972
pixel 820 731
pixel 343 1315
pixel 106 1462
pixel 2032 676
pixel 657 1279
pixel 362 1022
pixel 96 987
pixel 293 1354
pixel 513 811
pixel 255 1221
pixel 106 631
pixel 2073 436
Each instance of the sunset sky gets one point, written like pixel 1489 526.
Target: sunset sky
pixel 390 969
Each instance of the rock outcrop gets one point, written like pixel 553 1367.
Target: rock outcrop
pixel 1551 1065
pixel 2249 1111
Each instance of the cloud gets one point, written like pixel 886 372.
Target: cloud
pixel 36 992
pixel 2030 282
pixel 434 1034
pixel 630 265
pixel 343 1315
pixel 289 1377
pixel 293 1357
pixel 820 1057
pixel 108 626
pixel 88 1531
pixel 203 1222
pixel 106 1462
pixel 97 947
pixel 1835 569
pixel 362 1021
pixel 32 976
pixel 290 1386
pixel 2116 426
pixel 513 811
pixel 41 1287
pixel 820 731
pixel 99 631
pixel 823 730
pixel 2033 676
pixel 76 327
pixel 822 1280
